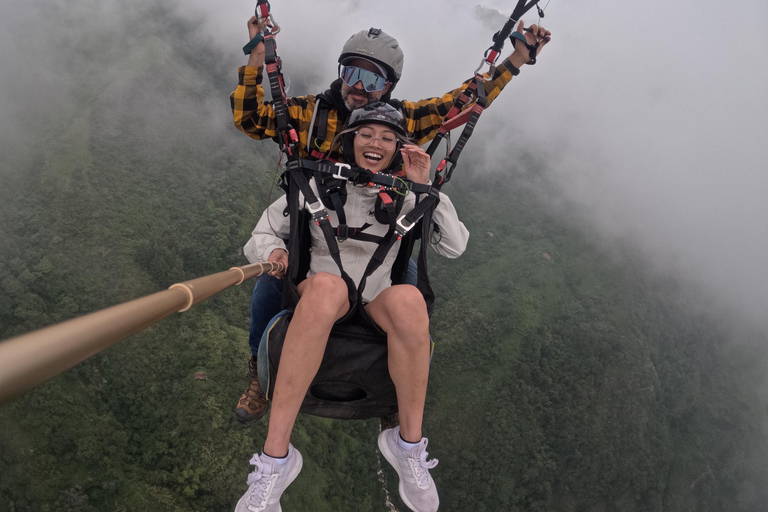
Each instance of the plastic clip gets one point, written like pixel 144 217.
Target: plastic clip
pixel 339 167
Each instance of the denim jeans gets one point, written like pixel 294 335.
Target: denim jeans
pixel 265 302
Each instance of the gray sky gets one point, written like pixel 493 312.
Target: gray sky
pixel 650 117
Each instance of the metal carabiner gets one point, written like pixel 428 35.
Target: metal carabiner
pixel 276 27
pixel 491 68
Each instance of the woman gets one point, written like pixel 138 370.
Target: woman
pixel 375 139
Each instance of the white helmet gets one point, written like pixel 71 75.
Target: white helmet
pixel 377 46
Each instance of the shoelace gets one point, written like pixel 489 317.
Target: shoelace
pixel 421 466
pixel 261 481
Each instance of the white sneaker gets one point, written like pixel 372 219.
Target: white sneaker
pixel 417 489
pixel 268 481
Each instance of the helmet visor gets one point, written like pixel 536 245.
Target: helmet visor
pixel 372 82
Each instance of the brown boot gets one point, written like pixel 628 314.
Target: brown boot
pixel 253 404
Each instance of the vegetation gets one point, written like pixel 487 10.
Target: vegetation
pixel 564 378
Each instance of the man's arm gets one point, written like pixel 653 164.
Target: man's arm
pixel 424 117
pixel 256 117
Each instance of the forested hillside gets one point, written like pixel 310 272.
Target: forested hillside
pixel 565 378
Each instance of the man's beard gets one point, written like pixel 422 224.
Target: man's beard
pixel 354 104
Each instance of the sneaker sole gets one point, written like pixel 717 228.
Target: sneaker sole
pixel 384 448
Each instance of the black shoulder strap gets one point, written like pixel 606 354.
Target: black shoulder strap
pixel 320 147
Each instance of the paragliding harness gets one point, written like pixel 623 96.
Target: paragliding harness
pixel 353 381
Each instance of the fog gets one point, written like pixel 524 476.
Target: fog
pixel 646 120
pixel 643 122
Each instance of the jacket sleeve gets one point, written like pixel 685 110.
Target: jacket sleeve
pixel 424 117
pixel 453 234
pixel 269 234
pixel 256 117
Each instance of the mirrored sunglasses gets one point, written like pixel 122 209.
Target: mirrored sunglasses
pixel 372 82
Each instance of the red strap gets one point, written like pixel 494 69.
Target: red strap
pixel 385 197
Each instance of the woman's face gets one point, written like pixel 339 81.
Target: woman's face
pixel 375 145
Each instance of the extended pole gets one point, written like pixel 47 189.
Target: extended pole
pixel 33 358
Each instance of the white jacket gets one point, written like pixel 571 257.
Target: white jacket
pixel 273 227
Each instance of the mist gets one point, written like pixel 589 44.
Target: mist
pixel 643 123
pixel 646 121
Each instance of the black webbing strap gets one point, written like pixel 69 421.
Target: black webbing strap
pixel 457 107
pixel 422 279
pixel 427 204
pixel 320 217
pixel 319 149
pixel 389 206
pixel 338 207
pixel 492 53
pixel 466 133
pixel 359 175
pixel 422 210
pixel 357 234
pixel 476 88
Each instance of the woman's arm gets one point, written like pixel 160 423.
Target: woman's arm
pixel 454 235
pixel 269 233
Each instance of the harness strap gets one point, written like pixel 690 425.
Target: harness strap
pixel 501 36
pixel 532 48
pixel 320 217
pixel 406 222
pixel 389 207
pixel 319 150
pixel 338 207
pixel 466 133
pixel 458 105
pixel 286 134
pixel 422 211
pixel 357 234
pixel 359 175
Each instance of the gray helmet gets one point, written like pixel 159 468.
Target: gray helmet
pixel 378 112
pixel 377 46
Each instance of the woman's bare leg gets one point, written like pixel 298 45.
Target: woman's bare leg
pixel 402 313
pixel 323 301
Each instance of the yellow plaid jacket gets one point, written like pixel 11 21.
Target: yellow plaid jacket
pixel 256 117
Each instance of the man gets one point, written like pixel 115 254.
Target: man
pixel 371 64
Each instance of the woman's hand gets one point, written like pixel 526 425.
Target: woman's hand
pixel 417 163
pixel 279 256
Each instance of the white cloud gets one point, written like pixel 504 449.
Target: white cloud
pixel 651 115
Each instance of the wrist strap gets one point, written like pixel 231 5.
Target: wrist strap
pixel 252 43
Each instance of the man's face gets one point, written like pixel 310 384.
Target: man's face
pixel 355 96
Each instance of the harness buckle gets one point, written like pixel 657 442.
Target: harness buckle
pixel 342 232
pixel 319 213
pixel 401 228
pixel 339 168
